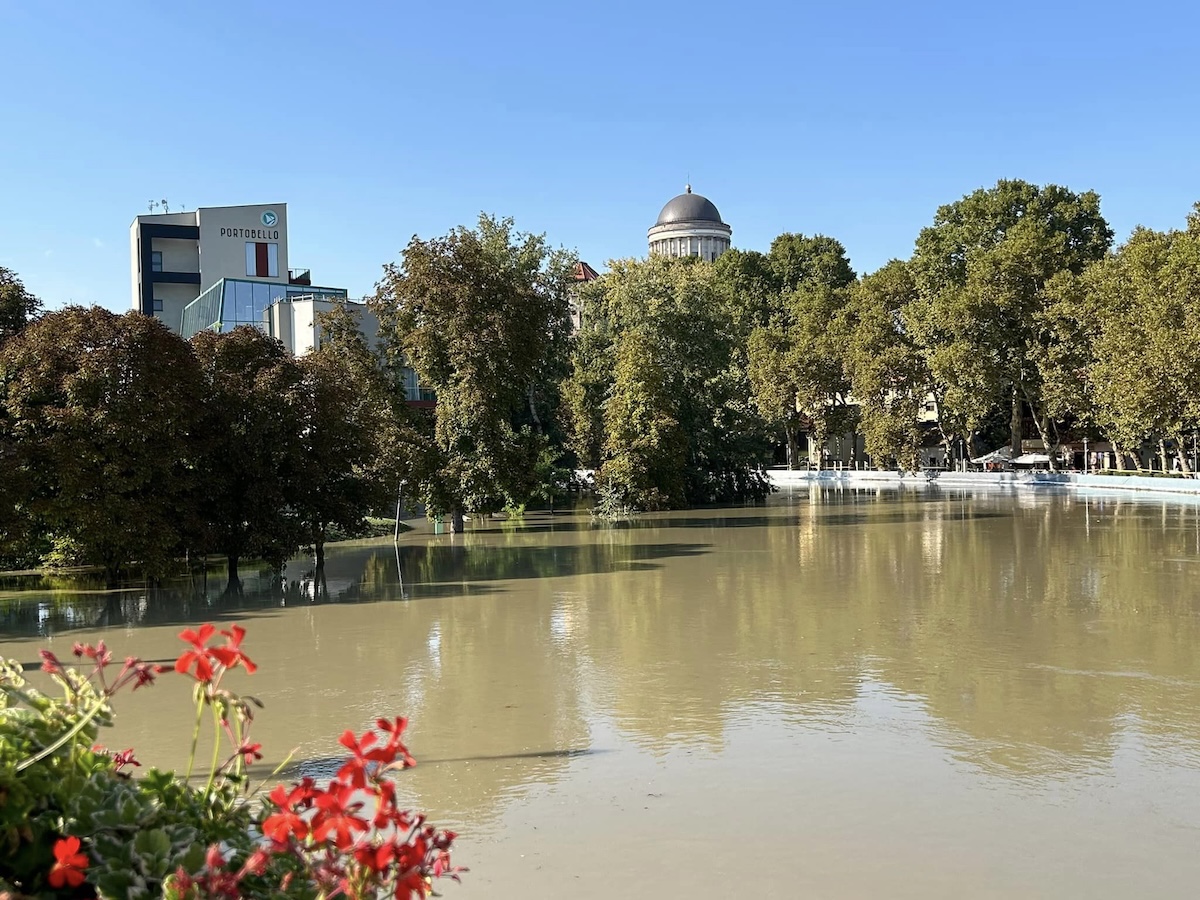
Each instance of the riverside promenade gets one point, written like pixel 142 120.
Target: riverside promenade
pixel 784 479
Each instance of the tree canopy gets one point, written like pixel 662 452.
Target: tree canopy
pixel 482 315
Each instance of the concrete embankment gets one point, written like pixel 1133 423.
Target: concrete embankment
pixel 783 479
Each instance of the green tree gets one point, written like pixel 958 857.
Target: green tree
pixel 17 305
pixel 107 445
pixel 254 466
pixel 400 435
pixel 646 447
pixel 659 384
pixel 754 283
pixel 795 356
pixel 981 271
pixel 482 315
pixel 1131 357
pixel 888 377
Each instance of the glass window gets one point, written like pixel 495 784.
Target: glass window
pixel 272 260
pixel 262 299
pixel 156 261
pixel 158 306
pixel 251 259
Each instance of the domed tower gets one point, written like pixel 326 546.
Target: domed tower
pixel 689 225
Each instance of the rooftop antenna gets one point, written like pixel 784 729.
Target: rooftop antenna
pixel 166 208
pixel 689 182
pixel 152 205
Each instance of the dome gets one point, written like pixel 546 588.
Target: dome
pixel 688 207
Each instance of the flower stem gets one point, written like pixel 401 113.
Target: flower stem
pixel 212 766
pixel 195 733
pixel 78 727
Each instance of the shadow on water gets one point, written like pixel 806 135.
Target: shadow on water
pixel 767 521
pixel 326 766
pixel 433 563
pixel 355 574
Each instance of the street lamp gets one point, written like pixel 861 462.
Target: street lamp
pixel 1086 461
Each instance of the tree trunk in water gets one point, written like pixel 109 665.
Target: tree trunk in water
pixel 1184 465
pixel 1118 458
pixel 793 451
pixel 456 521
pixel 1015 441
pixel 320 550
pixel 1162 455
pixel 235 583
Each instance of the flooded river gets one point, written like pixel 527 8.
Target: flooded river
pixel 838 694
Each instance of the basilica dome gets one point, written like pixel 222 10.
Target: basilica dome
pixel 688 207
pixel 689 225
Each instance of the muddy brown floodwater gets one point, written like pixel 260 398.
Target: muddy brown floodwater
pixel 838 694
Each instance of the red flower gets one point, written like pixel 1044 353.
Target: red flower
pixel 394 731
pixel 69 864
pixel 336 817
pixel 412 883
pixel 355 770
pixel 231 654
pixel 375 858
pixel 214 859
pixel 199 655
pixel 123 759
pixel 287 821
pixel 250 752
pixel 50 663
pixel 256 863
pixel 143 673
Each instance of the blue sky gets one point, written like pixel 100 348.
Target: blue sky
pixel 378 121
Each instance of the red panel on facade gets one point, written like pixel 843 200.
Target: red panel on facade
pixel 260 261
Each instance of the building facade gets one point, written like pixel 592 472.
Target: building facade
pixel 219 267
pixel 689 225
pixel 177 257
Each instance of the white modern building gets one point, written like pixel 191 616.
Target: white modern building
pixel 219 267
pixel 689 225
pixel 216 267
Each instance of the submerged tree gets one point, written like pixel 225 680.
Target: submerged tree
pixel 254 465
pixel 482 316
pixel 107 445
pixel 361 440
pixel 659 390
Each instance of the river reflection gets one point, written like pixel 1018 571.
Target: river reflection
pixel 942 680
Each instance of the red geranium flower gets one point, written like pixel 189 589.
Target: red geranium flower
pixel 199 655
pixel 355 770
pixel 336 817
pixel 250 753
pixel 279 825
pixel 69 864
pixel 231 654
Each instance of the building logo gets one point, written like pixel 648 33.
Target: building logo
pixel 269 218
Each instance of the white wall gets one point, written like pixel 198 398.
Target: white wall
pixel 178 256
pixel 174 297
pixel 135 267
pixel 224 233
